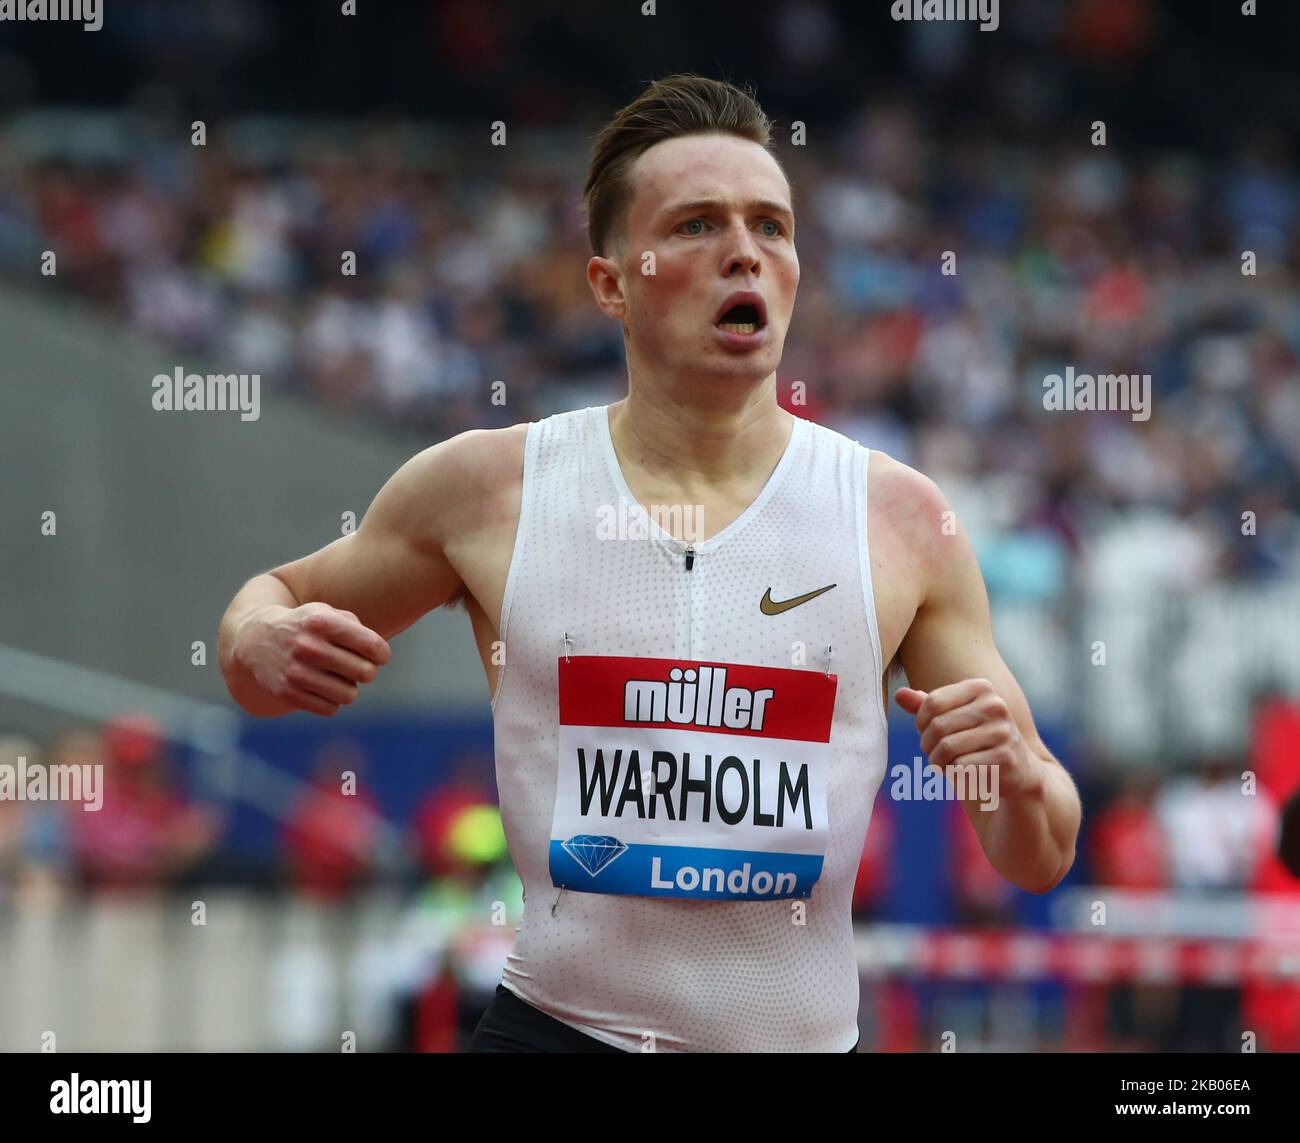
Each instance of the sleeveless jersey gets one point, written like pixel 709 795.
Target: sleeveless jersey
pixel 687 752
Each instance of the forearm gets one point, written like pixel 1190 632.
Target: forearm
pixel 1030 837
pixel 259 592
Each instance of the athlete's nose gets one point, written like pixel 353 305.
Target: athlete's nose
pixel 742 253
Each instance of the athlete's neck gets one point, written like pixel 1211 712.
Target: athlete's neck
pixel 692 444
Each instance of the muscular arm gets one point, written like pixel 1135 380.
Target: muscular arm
pixel 968 705
pixel 277 654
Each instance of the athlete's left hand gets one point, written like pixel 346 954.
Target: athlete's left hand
pixel 969 723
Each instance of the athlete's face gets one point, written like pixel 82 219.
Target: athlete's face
pixel 715 213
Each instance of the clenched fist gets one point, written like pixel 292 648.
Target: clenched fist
pixel 311 658
pixel 969 724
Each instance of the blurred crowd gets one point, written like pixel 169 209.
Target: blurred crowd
pixel 142 834
pixel 142 831
pixel 469 308
pixel 138 832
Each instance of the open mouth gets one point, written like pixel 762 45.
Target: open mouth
pixel 741 318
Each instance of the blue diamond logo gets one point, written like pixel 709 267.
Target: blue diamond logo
pixel 593 851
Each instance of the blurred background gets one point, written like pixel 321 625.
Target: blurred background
pixel 254 885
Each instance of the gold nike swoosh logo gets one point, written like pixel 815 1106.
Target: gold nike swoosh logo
pixel 768 606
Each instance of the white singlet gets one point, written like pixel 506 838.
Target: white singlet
pixel 686 776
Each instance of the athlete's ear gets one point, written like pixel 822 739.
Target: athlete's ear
pixel 606 282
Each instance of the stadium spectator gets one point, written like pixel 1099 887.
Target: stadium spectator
pixel 329 837
pixel 146 834
pixel 470 784
pixel 1127 846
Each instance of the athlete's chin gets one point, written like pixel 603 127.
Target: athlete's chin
pixel 736 370
pixel 742 352
pixel 754 363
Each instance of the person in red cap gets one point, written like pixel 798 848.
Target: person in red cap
pixel 145 834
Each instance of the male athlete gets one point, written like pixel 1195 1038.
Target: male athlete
pixel 689 715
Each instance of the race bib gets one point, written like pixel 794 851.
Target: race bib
pixel 702 781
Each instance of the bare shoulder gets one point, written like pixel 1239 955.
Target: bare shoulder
pixel 489 484
pixel 925 531
pixel 908 499
pixel 481 464
pixel 481 458
pixel 913 521
pixel 463 482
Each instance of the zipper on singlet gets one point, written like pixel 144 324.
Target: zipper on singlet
pixel 690 603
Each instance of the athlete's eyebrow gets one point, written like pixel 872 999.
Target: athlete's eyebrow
pixel 767 204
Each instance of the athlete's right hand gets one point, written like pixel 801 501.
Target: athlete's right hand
pixel 311 657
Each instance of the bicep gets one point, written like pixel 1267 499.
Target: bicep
pixel 392 570
pixel 951 636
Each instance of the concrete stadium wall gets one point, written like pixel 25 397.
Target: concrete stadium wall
pixel 162 515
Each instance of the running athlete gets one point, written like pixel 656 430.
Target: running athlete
pixel 689 705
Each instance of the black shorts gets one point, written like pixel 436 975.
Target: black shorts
pixel 512 1025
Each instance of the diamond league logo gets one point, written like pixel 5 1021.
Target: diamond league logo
pixel 594 852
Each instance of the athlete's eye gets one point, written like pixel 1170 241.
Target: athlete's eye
pixel 691 221
pixel 778 229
